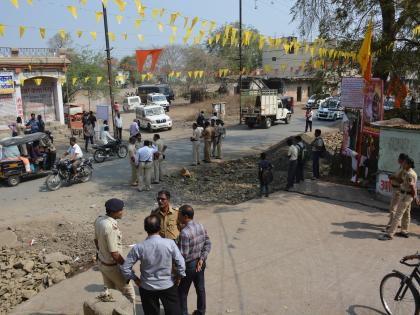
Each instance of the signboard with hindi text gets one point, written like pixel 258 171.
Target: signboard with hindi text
pixel 352 95
pixel 6 83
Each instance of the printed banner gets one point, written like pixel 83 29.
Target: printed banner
pixel 6 83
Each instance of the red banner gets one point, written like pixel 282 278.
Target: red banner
pixel 141 56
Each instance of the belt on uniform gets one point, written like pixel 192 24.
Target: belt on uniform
pixel 405 192
pixel 103 263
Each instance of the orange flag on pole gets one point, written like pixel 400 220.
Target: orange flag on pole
pixel 364 57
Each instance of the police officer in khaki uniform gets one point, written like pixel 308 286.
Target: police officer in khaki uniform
pixel 396 180
pixel 408 194
pixel 158 158
pixel 208 136
pixel 108 241
pixel 132 157
pixel 168 215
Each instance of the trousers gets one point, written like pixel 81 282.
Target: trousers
pixel 316 155
pixel 207 150
pixel 291 173
pixel 113 279
pixel 158 168
pixel 134 173
pixel 402 213
pixel 214 145
pixel 308 126
pixel 219 151
pixel 87 139
pixel 396 195
pixel 145 175
pixel 192 276
pixel 169 298
pixel 299 171
pixel 196 152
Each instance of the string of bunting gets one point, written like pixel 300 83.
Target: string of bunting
pixel 207 26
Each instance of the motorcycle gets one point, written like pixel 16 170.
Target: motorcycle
pixel 111 149
pixel 62 173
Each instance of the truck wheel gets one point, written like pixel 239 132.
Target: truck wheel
pixel 267 123
pixel 13 180
pixel 287 119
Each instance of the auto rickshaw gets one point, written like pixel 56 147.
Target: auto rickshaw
pixel 26 156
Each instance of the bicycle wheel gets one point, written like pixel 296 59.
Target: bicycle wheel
pixel 399 296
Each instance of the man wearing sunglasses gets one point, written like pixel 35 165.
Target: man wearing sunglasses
pixel 168 215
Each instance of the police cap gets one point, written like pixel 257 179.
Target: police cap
pixel 114 204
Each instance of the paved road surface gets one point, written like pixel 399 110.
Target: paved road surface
pixel 30 198
pixel 286 254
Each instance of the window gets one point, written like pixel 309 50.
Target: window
pixel 273 59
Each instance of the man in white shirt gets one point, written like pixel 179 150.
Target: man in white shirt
pixel 144 160
pixel 308 117
pixel 119 125
pixel 292 154
pixel 214 117
pixel 195 140
pixel 134 128
pixel 74 154
pixel 105 135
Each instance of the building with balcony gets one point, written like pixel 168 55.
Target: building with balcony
pixel 31 82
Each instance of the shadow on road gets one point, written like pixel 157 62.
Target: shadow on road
pixel 363 310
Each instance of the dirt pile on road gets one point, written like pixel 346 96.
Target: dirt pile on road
pixel 45 257
pixel 333 141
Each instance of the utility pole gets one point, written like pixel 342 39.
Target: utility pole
pixel 240 61
pixel 108 59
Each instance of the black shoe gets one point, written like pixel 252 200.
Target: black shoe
pixel 402 234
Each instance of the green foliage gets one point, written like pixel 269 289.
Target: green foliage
pixel 251 55
pixel 85 64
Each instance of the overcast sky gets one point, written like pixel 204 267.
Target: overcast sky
pixel 270 17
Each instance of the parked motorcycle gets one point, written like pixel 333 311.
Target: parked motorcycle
pixel 62 173
pixel 111 149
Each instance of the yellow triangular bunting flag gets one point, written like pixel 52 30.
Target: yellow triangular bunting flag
pixel 42 32
pixel 2 28
pixel 98 80
pixel 63 34
pixel 93 34
pixel 124 35
pixel 72 10
pixel 15 3
pixel 121 4
pixel 111 36
pixel 38 81
pixel 98 16
pixel 140 37
pixel 22 30
pixel 79 33
pixel 119 19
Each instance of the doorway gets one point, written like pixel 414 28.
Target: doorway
pixel 299 94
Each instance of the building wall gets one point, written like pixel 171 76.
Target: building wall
pixel 291 89
pixel 45 99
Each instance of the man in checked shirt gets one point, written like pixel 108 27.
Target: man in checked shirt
pixel 195 246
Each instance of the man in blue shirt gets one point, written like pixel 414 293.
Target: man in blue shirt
pixel 157 255
pixel 33 124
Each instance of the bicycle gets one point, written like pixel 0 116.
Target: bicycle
pixel 398 291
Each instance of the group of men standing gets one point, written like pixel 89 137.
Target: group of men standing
pixel 146 160
pixel 172 257
pixel 212 133
pixel 404 186
pixel 297 155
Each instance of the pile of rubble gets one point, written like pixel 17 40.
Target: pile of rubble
pixel 333 141
pixel 23 274
pixel 42 258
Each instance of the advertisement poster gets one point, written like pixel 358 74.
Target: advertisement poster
pixel 374 99
pixel 352 95
pixel 6 83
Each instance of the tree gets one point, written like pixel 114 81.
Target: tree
pixel 129 63
pixel 58 42
pixel 397 51
pixel 85 67
pixel 251 55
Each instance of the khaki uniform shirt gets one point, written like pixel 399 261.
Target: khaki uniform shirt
pixel 398 174
pixel 409 178
pixel 109 238
pixel 208 133
pixel 159 145
pixel 168 223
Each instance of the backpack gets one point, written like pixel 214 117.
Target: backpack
pixel 302 152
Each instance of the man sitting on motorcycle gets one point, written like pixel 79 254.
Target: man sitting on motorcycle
pixel 74 154
pixel 105 135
